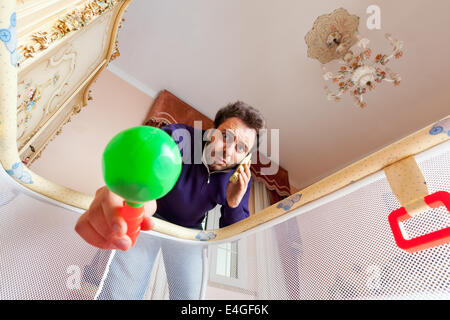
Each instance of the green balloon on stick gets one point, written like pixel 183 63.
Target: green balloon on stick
pixel 140 164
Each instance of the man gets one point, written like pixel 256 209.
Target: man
pixel 203 184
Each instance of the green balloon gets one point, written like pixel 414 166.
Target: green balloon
pixel 141 164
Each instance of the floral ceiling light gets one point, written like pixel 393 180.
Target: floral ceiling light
pixel 332 38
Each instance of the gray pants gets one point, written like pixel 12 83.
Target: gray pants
pixel 130 271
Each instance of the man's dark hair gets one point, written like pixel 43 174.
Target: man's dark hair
pixel 249 115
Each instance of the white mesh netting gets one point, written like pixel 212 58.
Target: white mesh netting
pixel 340 249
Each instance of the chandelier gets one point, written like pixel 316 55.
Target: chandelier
pixel 335 37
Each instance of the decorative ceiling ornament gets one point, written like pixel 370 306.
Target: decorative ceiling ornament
pixel 331 38
pixel 332 35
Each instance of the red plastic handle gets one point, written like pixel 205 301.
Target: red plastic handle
pixel 437 238
pixel 133 217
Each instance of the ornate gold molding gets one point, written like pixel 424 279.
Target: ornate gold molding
pixel 77 19
pixel 112 46
pixel 87 94
pixel 67 54
pixel 115 52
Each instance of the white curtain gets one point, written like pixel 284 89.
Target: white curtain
pixel 269 271
pixel 158 288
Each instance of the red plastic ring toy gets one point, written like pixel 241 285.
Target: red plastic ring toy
pixel 433 239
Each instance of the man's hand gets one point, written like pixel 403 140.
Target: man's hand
pixel 236 191
pixel 103 227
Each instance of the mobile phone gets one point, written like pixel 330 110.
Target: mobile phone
pixel 235 176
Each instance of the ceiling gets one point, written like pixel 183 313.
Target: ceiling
pixel 210 53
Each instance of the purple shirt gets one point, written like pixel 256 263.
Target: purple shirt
pixel 198 190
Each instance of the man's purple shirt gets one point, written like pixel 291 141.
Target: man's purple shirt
pixel 197 191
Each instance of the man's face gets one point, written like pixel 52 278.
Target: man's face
pixel 230 143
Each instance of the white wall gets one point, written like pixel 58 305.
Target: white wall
pixel 73 158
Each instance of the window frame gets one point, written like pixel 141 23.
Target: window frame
pixel 212 223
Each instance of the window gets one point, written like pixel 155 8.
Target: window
pixel 227 258
pixel 227 263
